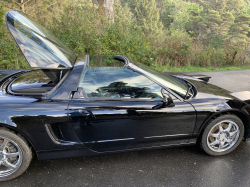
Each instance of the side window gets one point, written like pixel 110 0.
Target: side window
pixel 118 82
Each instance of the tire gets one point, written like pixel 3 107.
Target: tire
pixel 16 145
pixel 219 137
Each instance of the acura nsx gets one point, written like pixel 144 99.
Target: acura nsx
pixel 75 106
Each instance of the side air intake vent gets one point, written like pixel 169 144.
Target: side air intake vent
pixel 61 133
pixel 55 132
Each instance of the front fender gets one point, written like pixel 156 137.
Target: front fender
pixel 209 108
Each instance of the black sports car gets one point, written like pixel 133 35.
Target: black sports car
pixel 71 106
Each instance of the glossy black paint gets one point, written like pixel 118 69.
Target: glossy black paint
pixel 69 85
pixel 105 126
pixel 59 121
pixel 60 124
pixel 211 101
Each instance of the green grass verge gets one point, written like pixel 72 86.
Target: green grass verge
pixel 197 68
pixel 186 68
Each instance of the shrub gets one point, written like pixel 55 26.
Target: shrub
pixel 85 31
pixel 10 55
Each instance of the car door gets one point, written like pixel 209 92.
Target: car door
pixel 122 110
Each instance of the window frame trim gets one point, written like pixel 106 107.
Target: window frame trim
pixel 116 99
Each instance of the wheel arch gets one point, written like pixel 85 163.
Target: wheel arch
pixel 11 128
pixel 240 114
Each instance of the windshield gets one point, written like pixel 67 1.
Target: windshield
pixel 176 86
pixel 39 46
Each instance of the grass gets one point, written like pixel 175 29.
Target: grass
pixel 197 68
pixel 192 68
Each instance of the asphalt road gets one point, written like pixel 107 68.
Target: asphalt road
pixel 182 166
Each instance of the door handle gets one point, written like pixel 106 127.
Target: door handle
pixel 86 112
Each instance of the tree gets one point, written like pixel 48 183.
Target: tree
pixel 31 7
pixel 107 7
pixel 123 13
pixel 214 25
pixel 148 16
pixel 181 14
pixel 21 4
pixel 228 19
pixel 1 21
pixel 234 6
pixel 240 29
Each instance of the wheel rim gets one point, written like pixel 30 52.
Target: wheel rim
pixel 223 136
pixel 10 157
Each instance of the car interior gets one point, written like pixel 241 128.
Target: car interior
pixel 38 81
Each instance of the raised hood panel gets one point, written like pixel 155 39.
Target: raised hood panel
pixel 38 45
pixel 244 96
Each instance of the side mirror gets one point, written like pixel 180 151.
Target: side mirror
pixel 167 99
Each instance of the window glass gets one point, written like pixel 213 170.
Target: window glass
pixel 178 87
pixel 41 48
pixel 104 61
pixel 118 82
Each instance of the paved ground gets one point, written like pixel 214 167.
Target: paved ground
pixel 183 166
pixel 234 81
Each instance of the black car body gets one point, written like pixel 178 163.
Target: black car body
pixel 50 123
pixel 58 118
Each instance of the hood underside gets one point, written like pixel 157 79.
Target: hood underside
pixel 244 96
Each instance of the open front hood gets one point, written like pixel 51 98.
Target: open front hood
pixel 244 96
pixel 38 45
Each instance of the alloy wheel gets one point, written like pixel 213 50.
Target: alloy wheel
pixel 10 157
pixel 223 136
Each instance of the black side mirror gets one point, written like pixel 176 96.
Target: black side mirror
pixel 167 99
pixel 167 102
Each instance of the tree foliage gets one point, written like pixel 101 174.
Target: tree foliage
pixel 160 33
pixel 147 16
pixel 1 21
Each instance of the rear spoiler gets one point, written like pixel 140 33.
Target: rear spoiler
pixel 202 77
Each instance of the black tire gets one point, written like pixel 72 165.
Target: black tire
pixel 204 143
pixel 25 150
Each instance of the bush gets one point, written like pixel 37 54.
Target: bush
pixel 87 32
pixel 83 29
pixel 10 55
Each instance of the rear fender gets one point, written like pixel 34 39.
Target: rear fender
pixel 19 132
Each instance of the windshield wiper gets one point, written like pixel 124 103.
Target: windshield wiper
pixel 189 89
